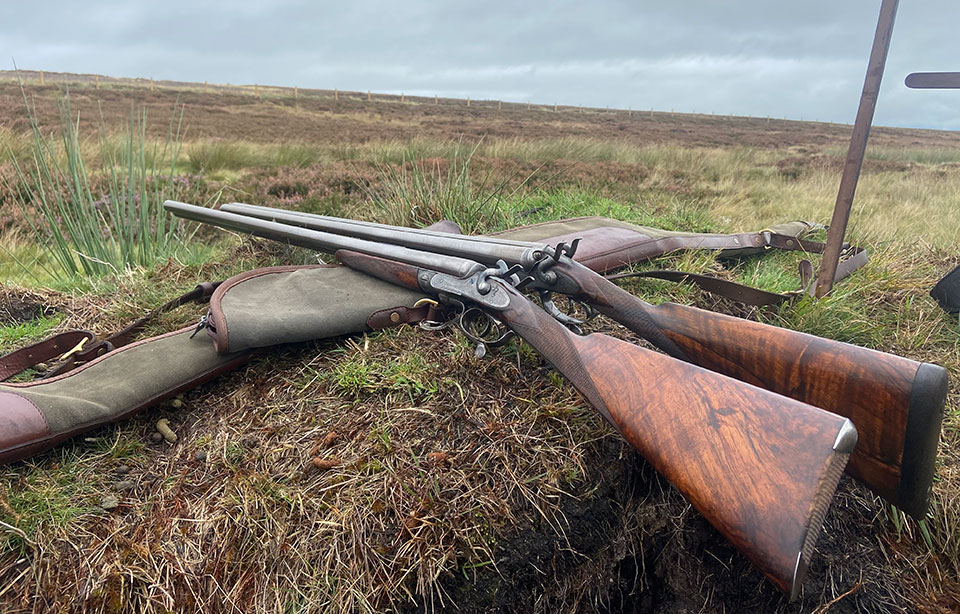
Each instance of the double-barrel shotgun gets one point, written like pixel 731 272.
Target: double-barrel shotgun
pixel 760 467
pixel 896 403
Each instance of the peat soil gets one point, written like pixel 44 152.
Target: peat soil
pixel 18 306
pixel 635 546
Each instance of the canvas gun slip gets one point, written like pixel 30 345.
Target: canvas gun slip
pixel 760 467
pixel 896 403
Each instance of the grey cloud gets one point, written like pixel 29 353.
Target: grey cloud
pixel 796 59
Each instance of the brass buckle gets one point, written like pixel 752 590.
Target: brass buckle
pixel 75 349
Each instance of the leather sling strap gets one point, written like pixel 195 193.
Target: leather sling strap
pixel 74 347
pixel 425 311
pixel 854 258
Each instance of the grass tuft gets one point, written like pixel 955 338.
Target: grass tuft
pixel 423 191
pixel 217 155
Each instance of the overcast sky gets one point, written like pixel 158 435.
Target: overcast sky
pixel 799 59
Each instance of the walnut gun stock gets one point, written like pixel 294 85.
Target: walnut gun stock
pixel 896 403
pixel 760 467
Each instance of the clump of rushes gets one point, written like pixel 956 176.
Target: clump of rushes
pixel 94 222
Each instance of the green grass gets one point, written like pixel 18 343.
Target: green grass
pixel 411 376
pixel 215 156
pixel 915 155
pixel 17 334
pixel 13 146
pixel 741 187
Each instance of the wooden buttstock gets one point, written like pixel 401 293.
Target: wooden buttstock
pixel 895 403
pixel 761 467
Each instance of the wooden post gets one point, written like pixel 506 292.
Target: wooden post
pixel 296 93
pixel 436 99
pixel 41 77
pixel 858 147
pixel 651 112
pixel 151 84
pixel 556 108
pixel 204 86
pixel 630 112
pixel 336 94
pixel 256 90
pixel 402 97
pixel 369 98
pixel 468 101
pixel 98 81
pixel 499 105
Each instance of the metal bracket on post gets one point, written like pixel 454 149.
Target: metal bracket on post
pixel 858 145
pixel 933 80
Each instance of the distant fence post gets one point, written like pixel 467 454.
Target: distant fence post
pixel 336 94
pixel 98 81
pixel 468 101
pixel 436 99
pixel 296 93
pixel 402 97
pixel 555 108
pixel 41 77
pixel 499 105
pixel 630 112
pixel 369 98
pixel 151 84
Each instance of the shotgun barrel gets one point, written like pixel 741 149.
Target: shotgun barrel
pixel 320 241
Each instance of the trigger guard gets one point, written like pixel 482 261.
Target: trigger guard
pixel 489 324
pixel 546 299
